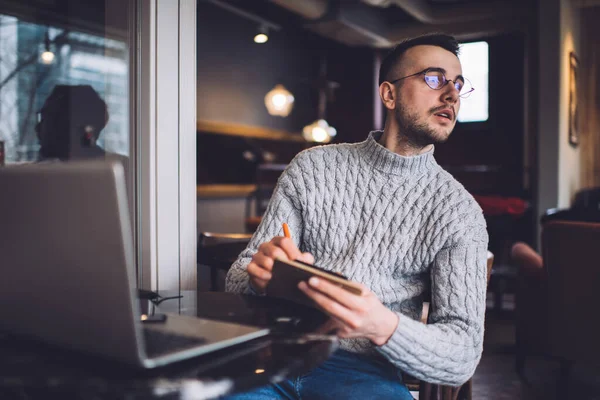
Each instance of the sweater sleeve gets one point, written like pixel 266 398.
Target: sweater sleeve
pixel 447 349
pixel 284 206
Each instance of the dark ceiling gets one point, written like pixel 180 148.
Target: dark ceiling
pixel 282 16
pixel 381 24
pixel 359 23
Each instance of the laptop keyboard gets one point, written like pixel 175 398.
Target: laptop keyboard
pixel 160 343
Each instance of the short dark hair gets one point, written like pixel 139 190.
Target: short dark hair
pixel 69 104
pixel 392 59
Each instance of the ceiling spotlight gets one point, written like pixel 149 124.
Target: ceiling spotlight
pixel 47 55
pixel 263 34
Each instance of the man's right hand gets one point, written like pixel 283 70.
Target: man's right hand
pixel 262 262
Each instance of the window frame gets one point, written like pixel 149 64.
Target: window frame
pixel 166 144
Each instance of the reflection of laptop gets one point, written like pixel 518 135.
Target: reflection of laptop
pixel 67 269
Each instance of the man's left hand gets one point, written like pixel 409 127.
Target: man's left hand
pixel 355 316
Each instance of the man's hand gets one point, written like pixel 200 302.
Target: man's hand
pixel 262 262
pixel 354 316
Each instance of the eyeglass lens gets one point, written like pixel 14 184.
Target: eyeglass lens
pixel 436 80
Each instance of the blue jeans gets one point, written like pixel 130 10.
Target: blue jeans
pixel 344 375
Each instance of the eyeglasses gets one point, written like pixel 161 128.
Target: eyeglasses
pixel 435 79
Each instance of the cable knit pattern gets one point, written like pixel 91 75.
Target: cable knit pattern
pixel 402 226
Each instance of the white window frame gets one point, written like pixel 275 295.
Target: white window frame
pixel 166 144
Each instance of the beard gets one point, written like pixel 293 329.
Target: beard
pixel 418 134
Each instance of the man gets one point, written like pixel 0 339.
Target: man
pixel 385 214
pixel 70 123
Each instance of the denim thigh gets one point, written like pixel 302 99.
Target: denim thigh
pixel 283 390
pixel 346 375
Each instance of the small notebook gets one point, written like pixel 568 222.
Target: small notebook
pixel 287 274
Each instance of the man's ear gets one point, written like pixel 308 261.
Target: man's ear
pixel 387 95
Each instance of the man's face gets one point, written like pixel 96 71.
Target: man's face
pixel 426 116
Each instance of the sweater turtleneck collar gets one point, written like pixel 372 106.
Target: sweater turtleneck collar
pixel 389 162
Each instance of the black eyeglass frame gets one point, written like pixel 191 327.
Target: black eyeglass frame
pixel 444 82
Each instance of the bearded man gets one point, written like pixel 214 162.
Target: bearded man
pixel 386 215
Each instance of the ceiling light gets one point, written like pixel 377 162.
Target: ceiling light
pixel 319 131
pixel 263 35
pixel 279 101
pixel 47 55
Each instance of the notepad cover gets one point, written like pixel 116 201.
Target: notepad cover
pixel 287 274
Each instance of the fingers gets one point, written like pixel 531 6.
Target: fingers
pixel 337 293
pixel 259 277
pixel 307 258
pixel 279 247
pixel 261 265
pixel 264 261
pixel 258 272
pixel 330 306
pixel 288 246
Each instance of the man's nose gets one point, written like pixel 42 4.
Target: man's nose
pixel 450 93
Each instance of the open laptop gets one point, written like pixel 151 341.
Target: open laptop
pixel 67 269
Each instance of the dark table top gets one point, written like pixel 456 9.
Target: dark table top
pixel 31 370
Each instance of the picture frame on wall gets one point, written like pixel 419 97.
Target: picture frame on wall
pixel 573 99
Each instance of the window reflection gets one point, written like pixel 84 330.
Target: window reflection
pixel 54 84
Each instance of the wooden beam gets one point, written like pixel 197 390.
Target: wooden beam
pixel 224 190
pixel 232 129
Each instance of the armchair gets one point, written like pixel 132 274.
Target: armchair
pixel 556 300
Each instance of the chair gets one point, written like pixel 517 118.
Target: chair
pixel 258 200
pixel 218 251
pixel 555 302
pixel 428 391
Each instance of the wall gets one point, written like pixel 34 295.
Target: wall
pixel 498 142
pixel 221 215
pixel 234 73
pixel 233 76
pixel 558 162
pixel 590 124
pixel 569 157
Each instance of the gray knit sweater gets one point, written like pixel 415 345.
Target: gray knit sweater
pixel 401 226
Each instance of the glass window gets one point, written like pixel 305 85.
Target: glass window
pixel 474 58
pixel 64 88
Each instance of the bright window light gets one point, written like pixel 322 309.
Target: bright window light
pixel 474 58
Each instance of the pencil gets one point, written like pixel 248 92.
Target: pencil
pixel 286 230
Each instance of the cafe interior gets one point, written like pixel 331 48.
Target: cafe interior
pixel 208 101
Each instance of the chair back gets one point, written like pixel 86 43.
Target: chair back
pixel 219 250
pixel 490 264
pixel 258 200
pixel 571 252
